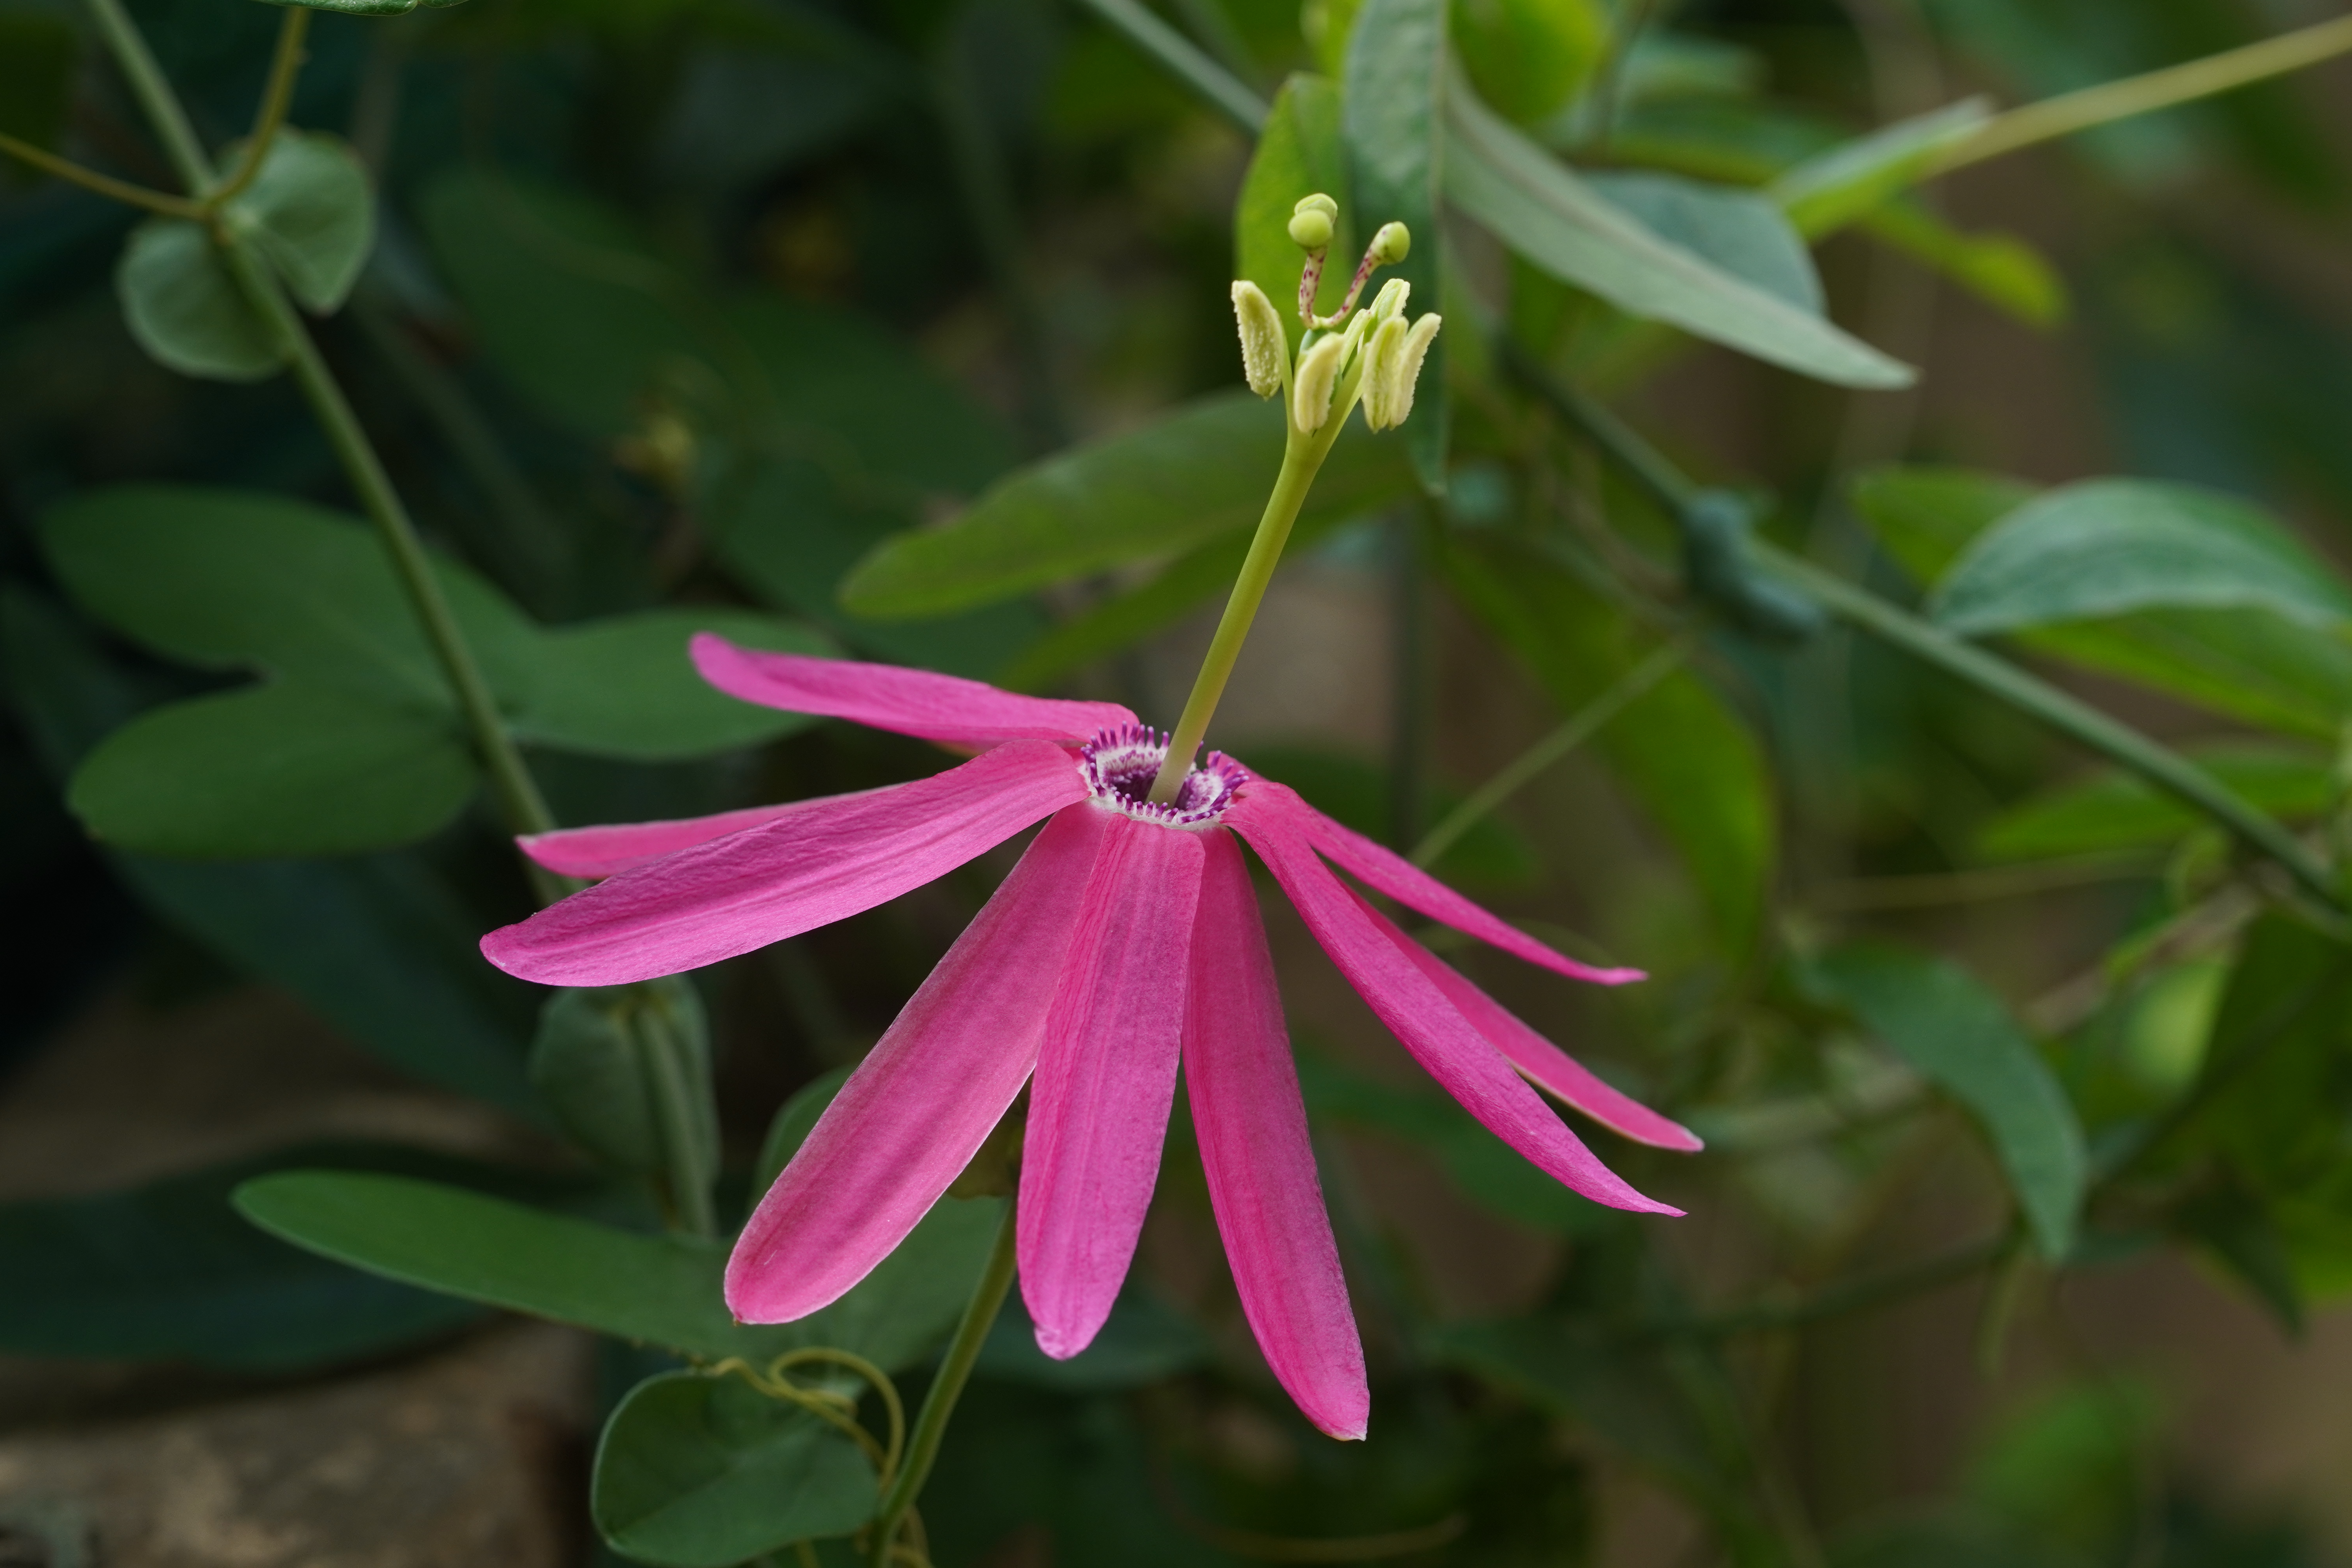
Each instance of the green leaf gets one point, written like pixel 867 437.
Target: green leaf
pixel 167 1271
pixel 1395 131
pixel 236 580
pixel 2116 811
pixel 1298 153
pixel 1927 516
pixel 2107 547
pixel 2234 1227
pixel 695 1471
pixel 1529 58
pixel 661 1290
pixel 627 688
pixel 2004 270
pixel 1742 232
pixel 368 8
pixel 1204 471
pixel 1835 187
pixel 1939 1018
pixel 1539 207
pixel 270 771
pixel 604 1060
pixel 185 310
pixel 312 211
pixel 1685 759
pixel 378 946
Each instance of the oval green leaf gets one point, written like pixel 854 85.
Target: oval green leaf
pixel 1204 471
pixel 185 310
pixel 276 771
pixel 696 1471
pixel 311 210
pixel 2108 547
pixel 626 687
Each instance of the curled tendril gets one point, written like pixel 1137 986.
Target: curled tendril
pixel 839 1411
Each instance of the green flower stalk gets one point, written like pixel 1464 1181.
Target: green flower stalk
pixel 1372 356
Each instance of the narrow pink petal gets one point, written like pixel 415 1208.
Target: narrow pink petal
pixel 1105 1074
pixel 888 697
pixel 925 1098
pixel 1408 884
pixel 603 851
pixel 1261 1181
pixel 1545 1064
pixel 728 896
pixel 1448 1046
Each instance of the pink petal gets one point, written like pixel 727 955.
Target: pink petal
pixel 1261 1181
pixel 1545 1064
pixel 925 1098
pixel 887 697
pixel 603 851
pixel 1105 1074
pixel 792 874
pixel 1408 884
pixel 1448 1046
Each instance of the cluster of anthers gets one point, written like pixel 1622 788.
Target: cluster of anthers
pixel 1376 356
pixel 1120 762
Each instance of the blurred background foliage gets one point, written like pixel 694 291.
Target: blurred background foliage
pixel 899 329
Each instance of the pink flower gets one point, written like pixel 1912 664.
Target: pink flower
pixel 1127 938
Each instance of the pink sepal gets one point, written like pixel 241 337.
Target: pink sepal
pixel 926 1097
pixel 917 702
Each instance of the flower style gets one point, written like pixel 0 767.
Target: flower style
pixel 1127 938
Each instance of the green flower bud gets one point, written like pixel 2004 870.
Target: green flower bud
pixel 1311 228
pixel 1319 203
pixel 1265 352
pixel 1391 245
pixel 1310 390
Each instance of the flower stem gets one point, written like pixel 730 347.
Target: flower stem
pixel 104 184
pixel 153 91
pixel 955 1370
pixel 1302 456
pixel 284 67
pixel 2093 106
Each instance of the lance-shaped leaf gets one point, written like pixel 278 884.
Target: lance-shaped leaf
pixel 1394 125
pixel 695 1471
pixel 2114 811
pixel 660 1290
pixel 1540 208
pixel 2108 547
pixel 1204 471
pixel 1941 1020
pixel 1739 231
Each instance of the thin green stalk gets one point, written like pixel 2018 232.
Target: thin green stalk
pixel 104 184
pixel 1988 673
pixel 519 803
pixel 284 67
pixel 2110 101
pixel 1302 455
pixel 153 91
pixel 1186 60
pixel 2029 694
pixel 1517 774
pixel 955 1370
pixel 687 1178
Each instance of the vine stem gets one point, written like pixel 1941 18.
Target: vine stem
pixel 2093 106
pixel 519 802
pixel 1302 458
pixel 1573 732
pixel 284 67
pixel 939 1403
pixel 107 185
pixel 1990 673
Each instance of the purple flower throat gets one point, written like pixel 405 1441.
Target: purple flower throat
pixel 1121 762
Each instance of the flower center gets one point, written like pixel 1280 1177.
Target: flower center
pixel 1120 763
